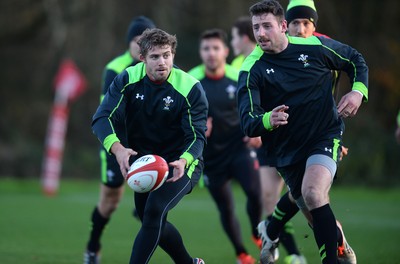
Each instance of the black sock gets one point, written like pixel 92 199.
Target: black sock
pixel 286 238
pixel 284 211
pixel 98 224
pixel 324 227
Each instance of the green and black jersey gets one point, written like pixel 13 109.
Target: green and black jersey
pixel 299 77
pixel 115 67
pixel 167 119
pixel 226 136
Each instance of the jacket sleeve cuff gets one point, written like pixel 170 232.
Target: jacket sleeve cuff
pixel 188 157
pixel 109 141
pixel 361 88
pixel 266 121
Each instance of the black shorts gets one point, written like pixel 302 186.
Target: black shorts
pixel 294 173
pixel 111 175
pixel 242 166
pixel 262 157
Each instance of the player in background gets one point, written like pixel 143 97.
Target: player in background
pixel 112 181
pixel 243 43
pixel 285 96
pixel 227 156
pixel 176 104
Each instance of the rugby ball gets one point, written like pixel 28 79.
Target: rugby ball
pixel 147 173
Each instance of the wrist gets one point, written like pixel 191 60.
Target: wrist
pixel 266 120
pixel 115 147
pixel 109 141
pixel 188 158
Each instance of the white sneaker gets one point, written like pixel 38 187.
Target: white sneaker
pixel 345 253
pixel 269 251
pixel 198 261
pixel 91 258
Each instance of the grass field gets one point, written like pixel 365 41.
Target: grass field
pixel 53 230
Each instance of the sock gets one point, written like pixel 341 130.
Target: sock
pixel 284 211
pixel 286 238
pixel 325 233
pixel 98 224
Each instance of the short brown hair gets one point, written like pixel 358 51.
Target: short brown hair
pixel 156 37
pixel 245 27
pixel 268 6
pixel 215 33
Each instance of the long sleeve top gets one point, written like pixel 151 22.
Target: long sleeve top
pixel 299 77
pixel 167 119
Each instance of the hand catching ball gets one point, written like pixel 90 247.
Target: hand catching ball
pixel 147 173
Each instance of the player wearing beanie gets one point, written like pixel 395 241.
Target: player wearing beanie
pixel 301 9
pixel 111 189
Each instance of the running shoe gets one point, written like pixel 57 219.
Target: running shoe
pixel 91 257
pixel 269 252
pixel 345 253
pixel 198 261
pixel 244 258
pixel 257 241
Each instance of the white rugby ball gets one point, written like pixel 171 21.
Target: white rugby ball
pixel 147 173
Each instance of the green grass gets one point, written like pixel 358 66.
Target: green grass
pixel 39 229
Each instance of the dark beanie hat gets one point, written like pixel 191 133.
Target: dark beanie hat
pixel 137 26
pixel 302 9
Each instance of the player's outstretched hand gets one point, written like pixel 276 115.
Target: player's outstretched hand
pixel 278 116
pixel 349 104
pixel 122 155
pixel 179 169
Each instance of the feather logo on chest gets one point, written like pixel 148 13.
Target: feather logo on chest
pixel 304 60
pixel 231 90
pixel 168 101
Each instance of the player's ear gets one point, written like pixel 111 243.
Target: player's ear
pixel 284 26
pixel 226 51
pixel 141 57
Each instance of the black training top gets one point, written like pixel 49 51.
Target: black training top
pixel 167 119
pixel 226 136
pixel 299 77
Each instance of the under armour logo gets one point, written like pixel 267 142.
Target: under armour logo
pixel 141 96
pixel 270 70
pixel 328 149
